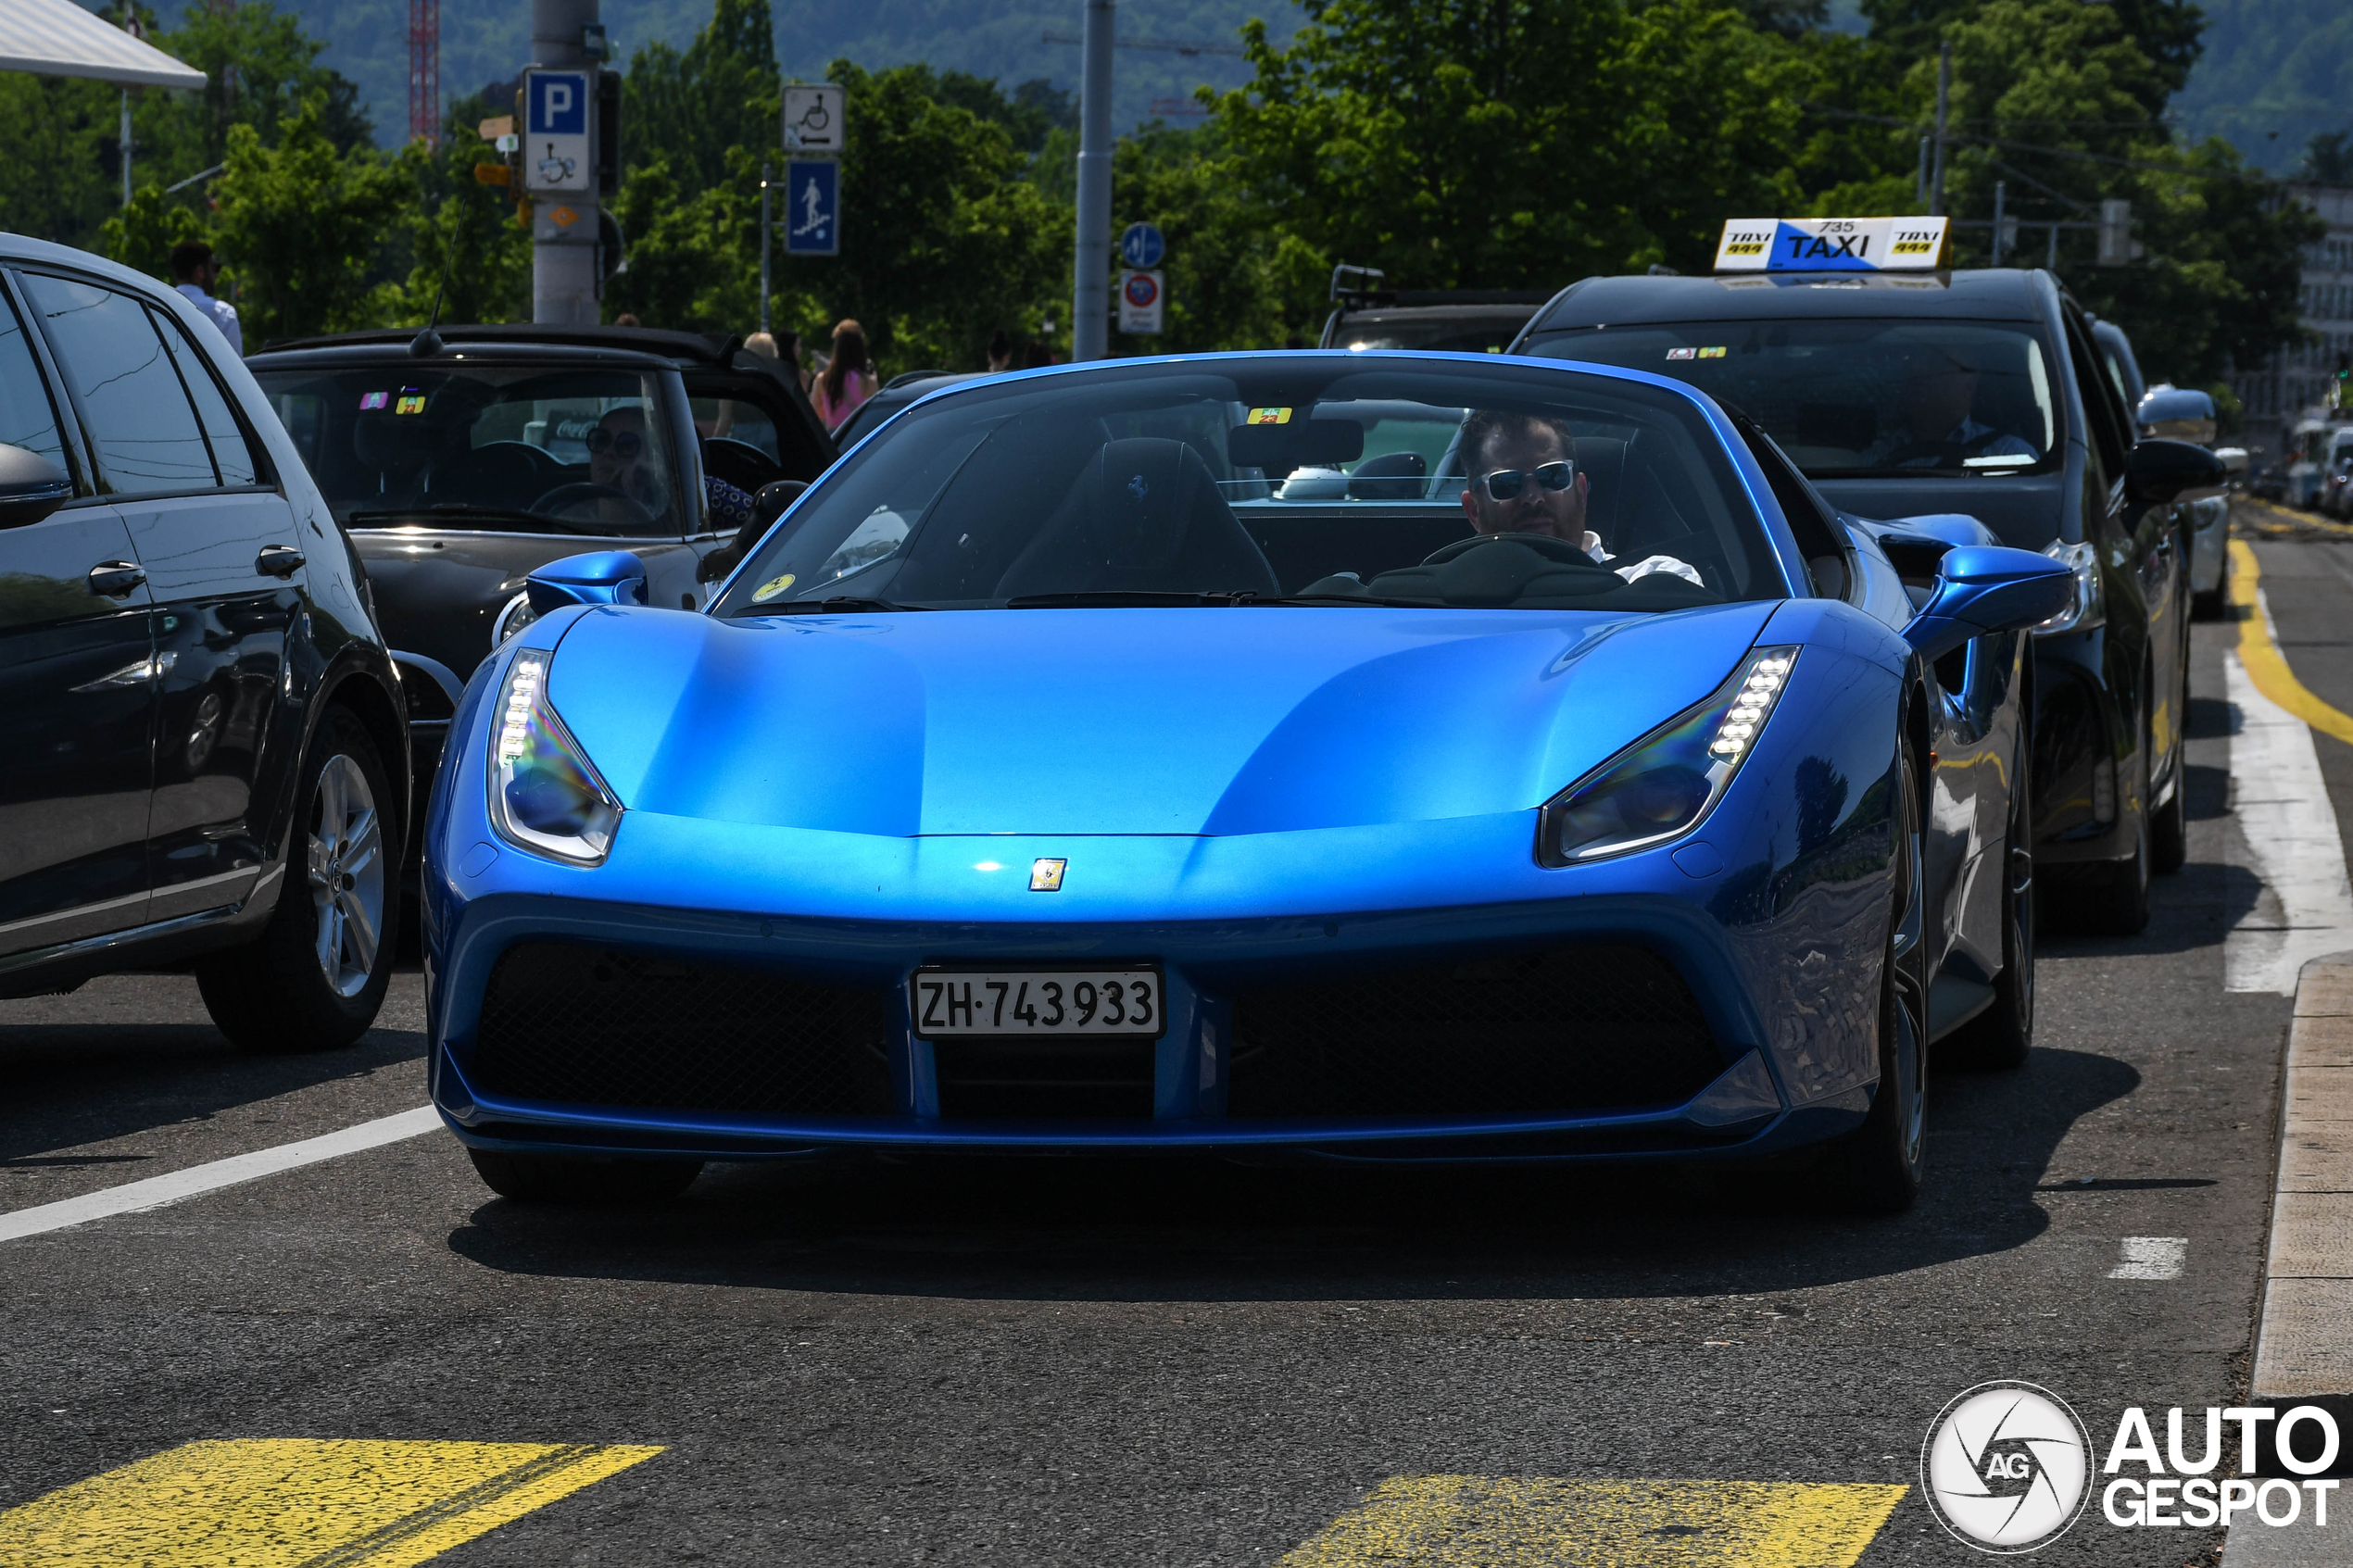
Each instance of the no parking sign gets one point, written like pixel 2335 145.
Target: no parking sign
pixel 1142 295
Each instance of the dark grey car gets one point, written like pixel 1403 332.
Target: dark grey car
pixel 459 472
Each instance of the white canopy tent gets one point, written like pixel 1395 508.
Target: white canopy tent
pixel 59 38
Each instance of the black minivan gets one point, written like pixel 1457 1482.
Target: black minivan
pixel 1976 393
pixel 207 755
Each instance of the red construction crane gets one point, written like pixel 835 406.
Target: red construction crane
pixel 425 71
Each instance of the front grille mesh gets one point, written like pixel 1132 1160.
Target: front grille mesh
pixel 579 1024
pixel 1563 1030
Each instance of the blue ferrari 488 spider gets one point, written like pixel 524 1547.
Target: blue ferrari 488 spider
pixel 1376 755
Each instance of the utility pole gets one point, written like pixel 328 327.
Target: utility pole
pixel 126 146
pixel 565 36
pixel 1944 105
pixel 1998 187
pixel 1091 293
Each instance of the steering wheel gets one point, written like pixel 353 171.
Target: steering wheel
pixel 566 495
pixel 1948 454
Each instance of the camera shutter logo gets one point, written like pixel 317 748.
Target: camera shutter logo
pixel 2007 1467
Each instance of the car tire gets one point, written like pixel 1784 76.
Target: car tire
pixel 315 977
pixel 581 1179
pixel 1877 1168
pixel 2170 834
pixel 2000 1037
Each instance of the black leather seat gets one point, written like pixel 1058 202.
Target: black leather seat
pixel 1144 516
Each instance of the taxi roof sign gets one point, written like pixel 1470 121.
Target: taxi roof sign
pixel 1833 244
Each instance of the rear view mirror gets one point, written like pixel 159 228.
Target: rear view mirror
pixel 2161 469
pixel 30 487
pixel 1278 448
pixel 1983 588
pixel 600 577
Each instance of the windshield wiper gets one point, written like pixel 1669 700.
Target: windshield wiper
pixel 535 522
pixel 1348 599
pixel 840 603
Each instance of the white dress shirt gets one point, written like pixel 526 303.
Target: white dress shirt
pixel 221 313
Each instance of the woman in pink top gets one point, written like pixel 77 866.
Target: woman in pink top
pixel 848 379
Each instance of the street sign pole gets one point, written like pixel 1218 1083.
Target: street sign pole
pixel 1090 291
pixel 560 159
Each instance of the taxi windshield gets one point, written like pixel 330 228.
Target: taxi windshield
pixel 1849 398
pixel 483 447
pixel 1319 479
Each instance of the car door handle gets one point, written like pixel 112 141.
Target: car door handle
pixel 278 560
pixel 116 579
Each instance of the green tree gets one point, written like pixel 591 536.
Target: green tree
pixel 693 259
pixel 1517 143
pixel 143 233
pixel 1237 278
pixel 461 230
pixel 306 224
pixel 687 109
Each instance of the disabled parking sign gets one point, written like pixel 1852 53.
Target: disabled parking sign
pixel 557 154
pixel 812 207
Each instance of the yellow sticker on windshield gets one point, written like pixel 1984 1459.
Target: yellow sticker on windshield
pixel 771 588
pixel 1270 415
pixel 411 402
pixel 1715 352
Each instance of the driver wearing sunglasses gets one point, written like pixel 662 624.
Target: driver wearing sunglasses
pixel 1524 480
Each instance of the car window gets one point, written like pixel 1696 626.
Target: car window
pixel 138 418
pixel 501 448
pixel 2100 403
pixel 735 418
pixel 27 417
pixel 1269 477
pixel 1846 397
pixel 231 454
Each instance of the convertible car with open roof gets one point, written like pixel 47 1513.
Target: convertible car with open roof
pixel 1382 755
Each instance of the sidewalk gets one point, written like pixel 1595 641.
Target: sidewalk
pixel 2304 1336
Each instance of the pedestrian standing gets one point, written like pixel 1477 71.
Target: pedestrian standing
pixel 848 379
pixel 196 270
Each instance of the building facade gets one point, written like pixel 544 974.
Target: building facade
pixel 2293 384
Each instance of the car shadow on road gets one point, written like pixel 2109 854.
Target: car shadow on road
pixel 106 1062
pixel 1199 1229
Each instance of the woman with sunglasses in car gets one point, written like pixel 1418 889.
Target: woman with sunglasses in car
pixel 621 457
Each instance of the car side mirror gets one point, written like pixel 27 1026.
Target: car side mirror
pixel 2233 459
pixel 30 487
pixel 600 577
pixel 773 498
pixel 1984 588
pixel 2161 469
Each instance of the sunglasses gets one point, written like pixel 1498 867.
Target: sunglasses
pixel 1505 484
pixel 621 442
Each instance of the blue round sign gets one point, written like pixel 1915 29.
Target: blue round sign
pixel 1142 245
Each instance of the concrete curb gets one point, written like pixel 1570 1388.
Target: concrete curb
pixel 2303 1338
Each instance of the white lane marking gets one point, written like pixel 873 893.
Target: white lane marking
pixel 156 1191
pixel 2152 1257
pixel 2282 803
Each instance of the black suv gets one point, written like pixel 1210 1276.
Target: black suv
pixel 464 461
pixel 1979 393
pixel 209 758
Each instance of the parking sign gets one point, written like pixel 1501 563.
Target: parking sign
pixel 556 152
pixel 812 207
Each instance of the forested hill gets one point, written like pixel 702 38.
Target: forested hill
pixel 368 41
pixel 2275 74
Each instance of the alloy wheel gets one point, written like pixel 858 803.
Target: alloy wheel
pixel 346 875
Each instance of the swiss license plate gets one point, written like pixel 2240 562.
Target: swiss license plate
pixel 1092 1001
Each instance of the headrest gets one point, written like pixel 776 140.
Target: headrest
pixel 391 441
pixel 1140 498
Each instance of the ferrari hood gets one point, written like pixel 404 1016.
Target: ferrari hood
pixel 1211 720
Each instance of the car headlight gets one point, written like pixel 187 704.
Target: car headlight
pixel 545 794
pixel 1664 783
pixel 2089 607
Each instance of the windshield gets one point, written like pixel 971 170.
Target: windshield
pixel 1253 479
pixel 1846 398
pixel 484 448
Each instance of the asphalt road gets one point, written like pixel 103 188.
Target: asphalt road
pixel 1086 1362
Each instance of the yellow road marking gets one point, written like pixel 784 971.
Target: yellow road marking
pixel 2265 664
pixel 2302 522
pixel 299 1503
pixel 1502 1522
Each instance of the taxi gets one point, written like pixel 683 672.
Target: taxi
pixel 1898 387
